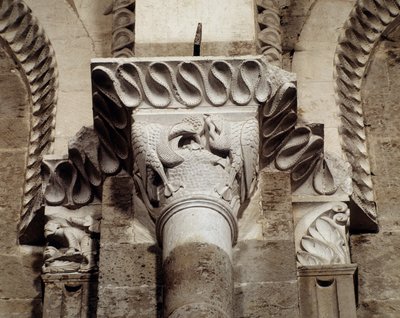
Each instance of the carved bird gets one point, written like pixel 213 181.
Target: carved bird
pixel 154 149
pixel 239 142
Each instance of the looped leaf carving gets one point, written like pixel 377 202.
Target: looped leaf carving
pixel 325 240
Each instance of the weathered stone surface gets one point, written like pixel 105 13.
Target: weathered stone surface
pixel 378 262
pixel 117 200
pixel 76 29
pixel 372 308
pixel 70 295
pixel 21 308
pixel 130 265
pixel 16 280
pixel 198 273
pixel 276 202
pixel 271 299
pixel 174 32
pixel 264 261
pixel 130 302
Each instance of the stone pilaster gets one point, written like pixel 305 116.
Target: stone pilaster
pixel 70 295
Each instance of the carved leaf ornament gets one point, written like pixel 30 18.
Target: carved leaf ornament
pixel 293 148
pixel 326 239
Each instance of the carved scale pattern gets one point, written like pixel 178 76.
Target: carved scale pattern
pixel 123 36
pixel 326 241
pixel 290 147
pixel 32 49
pixel 270 32
pixel 361 33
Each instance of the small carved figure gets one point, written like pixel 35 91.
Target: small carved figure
pixel 76 234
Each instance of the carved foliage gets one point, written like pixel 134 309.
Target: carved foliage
pixel 72 243
pixel 293 148
pixel 270 31
pixel 361 33
pixel 326 240
pixel 32 49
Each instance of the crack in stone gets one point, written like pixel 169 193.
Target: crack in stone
pixel 71 3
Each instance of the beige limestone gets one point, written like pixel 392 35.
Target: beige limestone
pixel 228 27
pixel 78 32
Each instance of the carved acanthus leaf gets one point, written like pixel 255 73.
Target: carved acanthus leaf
pixel 322 237
pixel 33 51
pixel 361 32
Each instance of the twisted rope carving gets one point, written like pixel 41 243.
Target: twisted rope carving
pixel 270 31
pixel 123 36
pixel 32 49
pixel 361 33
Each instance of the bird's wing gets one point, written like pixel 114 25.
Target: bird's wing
pixel 249 143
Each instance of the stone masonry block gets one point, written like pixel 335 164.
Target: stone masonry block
pixel 129 265
pixel 130 302
pixel 377 256
pixel 260 300
pixel 264 261
pixel 276 201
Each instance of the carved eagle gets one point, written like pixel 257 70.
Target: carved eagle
pixel 239 142
pixel 154 149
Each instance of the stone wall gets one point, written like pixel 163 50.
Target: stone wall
pixel 378 254
pixel 20 291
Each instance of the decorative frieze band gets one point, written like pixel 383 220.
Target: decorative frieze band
pixel 187 84
pixel 362 31
pixel 34 53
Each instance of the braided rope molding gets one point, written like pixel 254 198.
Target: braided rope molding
pixel 361 33
pixel 270 31
pixel 123 27
pixel 33 51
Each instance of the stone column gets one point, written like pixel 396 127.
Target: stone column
pixel 197 236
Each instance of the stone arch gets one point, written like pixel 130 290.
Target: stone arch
pixel 30 48
pixel 367 23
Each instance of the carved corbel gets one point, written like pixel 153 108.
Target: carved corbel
pixel 322 236
pixel 325 273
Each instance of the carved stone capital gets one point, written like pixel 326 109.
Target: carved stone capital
pixel 322 234
pixel 202 160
